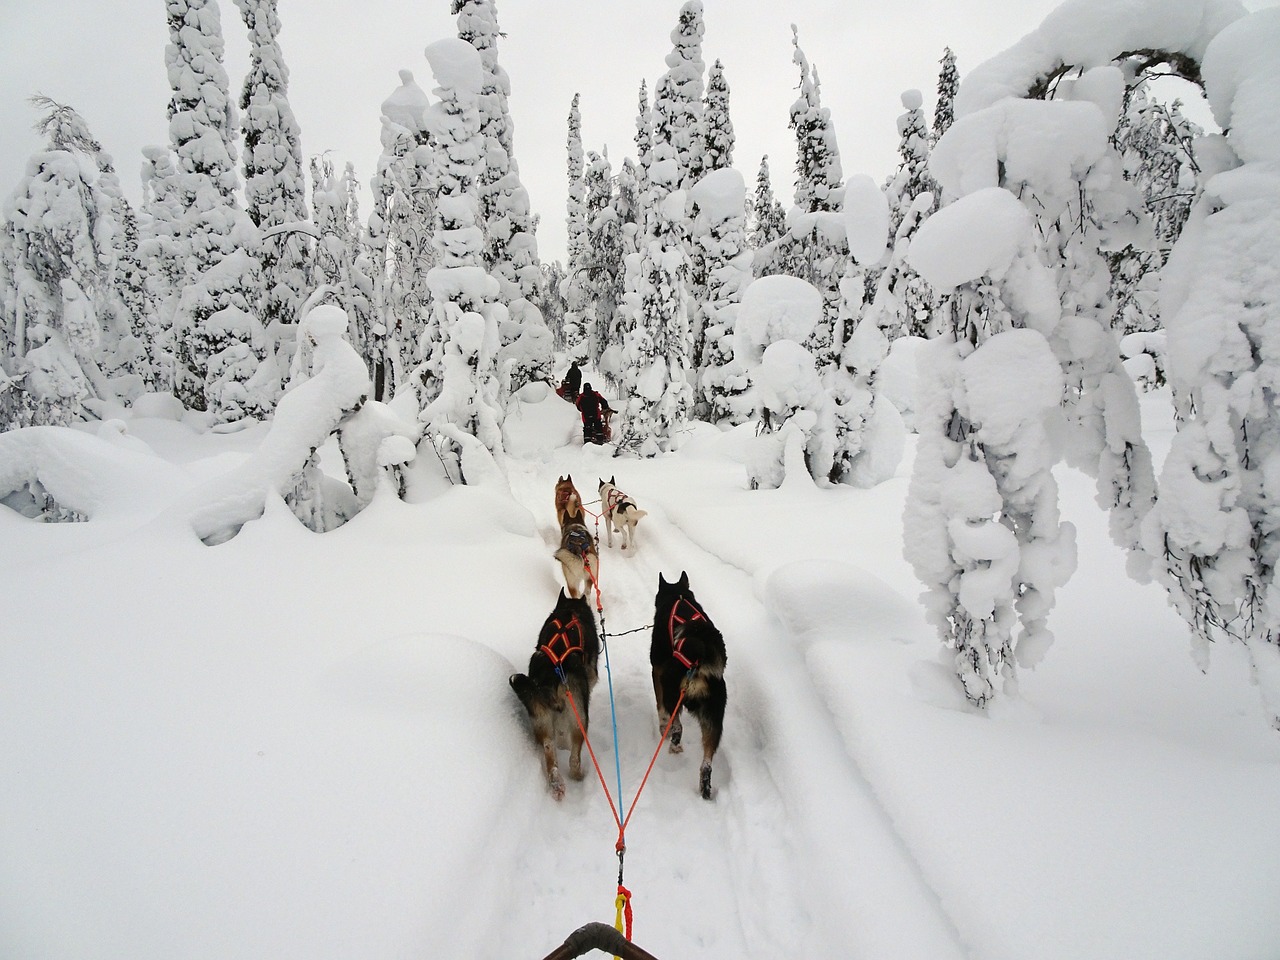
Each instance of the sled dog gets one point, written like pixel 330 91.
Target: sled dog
pixel 620 513
pixel 577 553
pixel 568 502
pixel 563 664
pixel 688 654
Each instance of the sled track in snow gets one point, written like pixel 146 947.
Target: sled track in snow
pixel 757 872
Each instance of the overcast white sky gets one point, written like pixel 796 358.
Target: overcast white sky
pixel 106 59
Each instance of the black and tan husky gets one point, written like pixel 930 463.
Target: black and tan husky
pixel 688 654
pixel 563 663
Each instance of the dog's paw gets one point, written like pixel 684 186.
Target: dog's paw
pixel 704 781
pixel 575 769
pixel 557 786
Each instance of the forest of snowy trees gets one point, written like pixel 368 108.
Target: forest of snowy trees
pixel 1056 237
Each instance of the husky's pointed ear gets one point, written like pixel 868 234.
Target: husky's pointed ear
pixel 613 481
pixel 662 581
pixel 602 483
pixel 684 580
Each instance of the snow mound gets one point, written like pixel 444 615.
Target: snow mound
pixel 821 599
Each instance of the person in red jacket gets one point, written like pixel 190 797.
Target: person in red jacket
pixel 595 410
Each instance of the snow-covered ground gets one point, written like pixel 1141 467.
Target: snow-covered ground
pixel 295 745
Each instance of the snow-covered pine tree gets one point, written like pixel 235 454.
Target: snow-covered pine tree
pixel 60 314
pixel 511 247
pixel 900 299
pixel 400 235
pixel 912 177
pixel 160 248
pixel 274 181
pixel 814 248
pixel 720 237
pixel 644 144
pixel 677 103
pixel 767 224
pixel 981 523
pixel 219 338
pixel 948 85
pixel 574 293
pixel 458 374
pixel 657 388
pixel 1069 176
pixel 819 179
pixel 340 260
pixel 602 272
pixel 717 127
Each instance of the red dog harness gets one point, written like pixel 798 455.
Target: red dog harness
pixel 677 644
pixel 616 499
pixel 562 640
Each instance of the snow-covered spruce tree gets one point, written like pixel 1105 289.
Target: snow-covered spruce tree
pixel 902 302
pixel 717 127
pixel 720 237
pixel 867 435
pixel 60 316
pixel 717 154
pixel 644 146
pixel 125 334
pixel 274 181
pixel 819 179
pixel 767 224
pixel 792 408
pixel 220 341
pixel 948 85
pixel 900 299
pixel 677 103
pixel 573 291
pixel 341 263
pixel 912 176
pixel 399 235
pixel 602 273
pixel 814 247
pixel 1067 174
pixel 981 524
pixel 656 391
pixel 511 246
pixel 1155 142
pixel 160 248
pixel 550 302
pixel 458 350
pixel 1213 534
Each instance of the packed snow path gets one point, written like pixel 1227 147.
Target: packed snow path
pixel 793 857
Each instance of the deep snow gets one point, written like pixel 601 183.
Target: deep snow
pixel 301 745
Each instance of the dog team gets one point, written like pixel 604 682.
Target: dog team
pixel 686 652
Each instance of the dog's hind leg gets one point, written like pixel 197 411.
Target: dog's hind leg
pixel 544 733
pixel 668 694
pixel 710 713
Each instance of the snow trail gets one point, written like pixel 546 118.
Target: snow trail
pixel 735 876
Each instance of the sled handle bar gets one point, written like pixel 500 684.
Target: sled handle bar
pixel 598 936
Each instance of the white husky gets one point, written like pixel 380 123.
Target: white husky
pixel 620 513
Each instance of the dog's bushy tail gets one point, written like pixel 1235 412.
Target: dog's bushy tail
pixel 523 687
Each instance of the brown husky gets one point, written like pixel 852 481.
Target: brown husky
pixel 568 502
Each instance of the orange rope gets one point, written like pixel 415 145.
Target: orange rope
pixel 653 760
pixel 587 740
